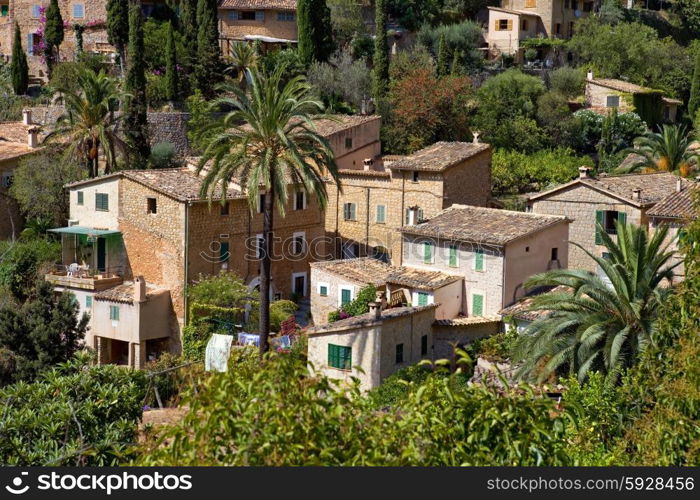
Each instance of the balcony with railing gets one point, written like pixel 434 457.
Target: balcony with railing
pixel 82 276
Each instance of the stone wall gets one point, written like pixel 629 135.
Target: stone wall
pixel 597 95
pixel 270 26
pixel 169 127
pixel 321 305
pixel 445 338
pixel 470 182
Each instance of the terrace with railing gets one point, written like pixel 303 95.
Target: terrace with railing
pixel 81 276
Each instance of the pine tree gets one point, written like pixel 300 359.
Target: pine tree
pixel 171 76
pixel 314 32
pixel 442 56
pixel 208 52
pixel 118 28
pixel 136 120
pixel 53 34
pixel 188 28
pixel 694 101
pixel 19 69
pixel 381 52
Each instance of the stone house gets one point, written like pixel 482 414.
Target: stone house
pixel 494 250
pixel 604 94
pixel 372 346
pixel 17 140
pixel 335 283
pixel 270 22
pixel 382 195
pixel 588 201
pixel 676 211
pixel 517 20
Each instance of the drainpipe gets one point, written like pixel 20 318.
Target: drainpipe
pixel 402 215
pixel 186 257
pixel 250 229
pixel 367 224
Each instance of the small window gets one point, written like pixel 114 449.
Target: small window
pixel 36 11
pixel 261 203
pixel 4 10
pixel 523 25
pixel 246 15
pixel 415 176
pixel 381 254
pixel 348 142
pixel 339 357
pixel 381 214
pixel 298 244
pixel 286 16
pixel 612 101
pixel 555 254
pixel 567 4
pixel 424 345
pixel 259 15
pixel 323 289
pixel 422 298
pixel 81 198
pixel 224 253
pixel 527 249
pixel 479 260
pixel 349 211
pixel 234 15
pixel 477 305
pixel 151 206
pixel 574 4
pixel 88 302
pixel 114 313
pixel 504 24
pixel 224 209
pixel 530 4
pixel 453 261
pixel 428 252
pixel 557 29
pixel 78 11
pixel 399 354
pixel 300 200
pixel 259 246
pixel 102 202
pixel 345 296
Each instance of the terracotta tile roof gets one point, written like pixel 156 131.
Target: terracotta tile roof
pixel 368 319
pixel 259 4
pixel 515 12
pixel 14 132
pixel 482 225
pixel 677 205
pixel 439 156
pixel 621 85
pixel 180 183
pixel 368 270
pixel 12 150
pixel 124 293
pixel 329 126
pixel 520 309
pixel 653 186
pixel 364 173
pixel 467 320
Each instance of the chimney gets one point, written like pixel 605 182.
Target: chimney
pixel 374 308
pixel 589 75
pixel 367 164
pixel 27 116
pixel 679 185
pixel 475 136
pixel 636 194
pixel 139 289
pixel 33 137
pixel 584 172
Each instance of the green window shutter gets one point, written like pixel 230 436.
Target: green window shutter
pixel 622 218
pixel 453 256
pixel 114 313
pixel 224 251
pixel 345 296
pixel 346 358
pixel 340 357
pixel 422 299
pixel 323 290
pixel 477 305
pixel 80 197
pixel 88 301
pixel 381 215
pixel 599 219
pixel 333 355
pixel 479 260
pixel 427 252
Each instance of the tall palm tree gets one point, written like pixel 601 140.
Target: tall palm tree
pixel 242 58
pixel 667 150
pixel 269 141
pixel 89 127
pixel 597 324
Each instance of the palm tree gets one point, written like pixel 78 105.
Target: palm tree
pixel 243 58
pixel 269 141
pixel 598 322
pixel 89 126
pixel 667 150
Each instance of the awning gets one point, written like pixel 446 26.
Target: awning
pixel 83 230
pixel 267 39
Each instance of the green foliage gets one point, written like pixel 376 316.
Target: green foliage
pixel 188 29
pixel 288 61
pixel 465 38
pixel 380 72
pixel 442 56
pixel 19 67
pixel 567 81
pixel 53 33
pixel 694 101
pixel 495 348
pixel 194 341
pixel 38 185
pixel 314 39
pixel 648 105
pixel 163 155
pixel 342 79
pixel 44 331
pixel 396 388
pixel 360 304
pixel 346 20
pixel 223 290
pixel 118 27
pixel 23 263
pixel 207 66
pixel 620 131
pixel 507 107
pixel 412 14
pixel 667 150
pixel 155 42
pixel 72 415
pixel 280 311
pixel 439 422
pixel 201 126
pixel 135 121
pixel 171 384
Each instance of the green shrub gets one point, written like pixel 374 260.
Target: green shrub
pixel 194 341
pixel 396 387
pixel 464 37
pixel 360 305
pixel 280 311
pixel 22 263
pixel 163 155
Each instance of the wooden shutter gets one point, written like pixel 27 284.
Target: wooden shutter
pixel 427 252
pixel 510 24
pixel 333 356
pixel 422 299
pixel 453 256
pixel 345 296
pixel 477 305
pixel 479 260
pixel 599 219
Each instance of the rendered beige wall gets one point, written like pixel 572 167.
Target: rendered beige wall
pixel 86 214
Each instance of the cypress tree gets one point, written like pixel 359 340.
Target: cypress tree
pixel 442 56
pixel 188 26
pixel 19 69
pixel 314 32
pixel 78 29
pixel 53 34
pixel 694 101
pixel 208 53
pixel 118 28
pixel 171 76
pixel 456 67
pixel 381 52
pixel 136 119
